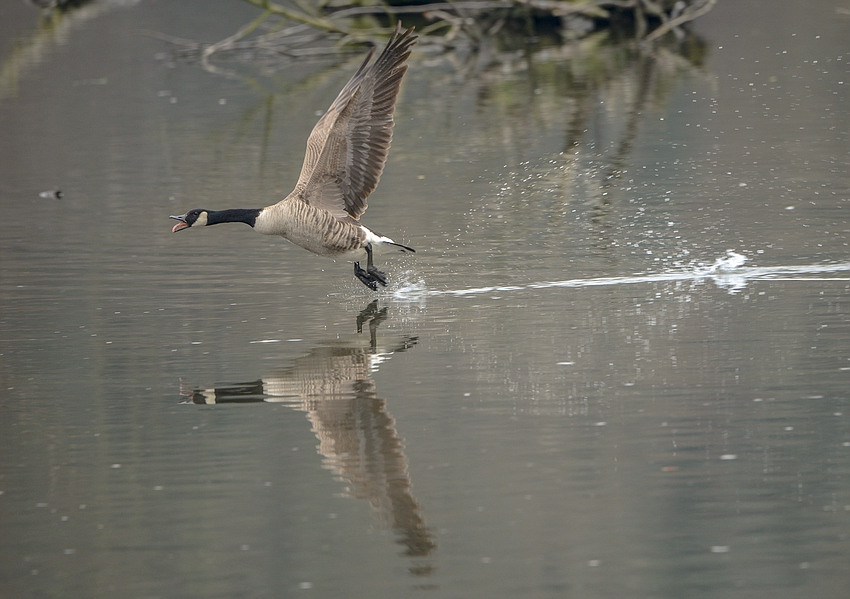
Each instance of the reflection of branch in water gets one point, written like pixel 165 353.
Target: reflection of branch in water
pixel 55 25
pixel 644 74
pixel 647 78
pixel 599 92
pixel 357 436
pixel 644 78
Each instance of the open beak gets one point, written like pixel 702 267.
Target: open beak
pixel 181 225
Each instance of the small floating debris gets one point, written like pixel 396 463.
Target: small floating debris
pixel 729 456
pixel 720 549
pixel 51 194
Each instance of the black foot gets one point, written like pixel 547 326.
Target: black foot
pixel 377 275
pixel 365 278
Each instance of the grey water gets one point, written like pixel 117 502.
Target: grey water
pixel 618 364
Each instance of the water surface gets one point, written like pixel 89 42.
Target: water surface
pixel 616 366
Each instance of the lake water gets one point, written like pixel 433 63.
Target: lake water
pixel 617 366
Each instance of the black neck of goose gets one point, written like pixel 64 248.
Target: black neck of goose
pixel 233 215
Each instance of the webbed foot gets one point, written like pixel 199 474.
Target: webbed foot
pixel 377 275
pixel 366 278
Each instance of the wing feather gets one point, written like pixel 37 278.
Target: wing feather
pixel 348 147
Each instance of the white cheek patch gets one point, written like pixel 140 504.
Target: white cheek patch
pixel 202 220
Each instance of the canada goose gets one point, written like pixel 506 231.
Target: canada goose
pixel 346 153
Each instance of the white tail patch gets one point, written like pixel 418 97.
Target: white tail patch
pixel 378 240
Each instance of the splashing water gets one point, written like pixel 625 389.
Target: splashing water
pixel 726 272
pixel 732 261
pixel 723 272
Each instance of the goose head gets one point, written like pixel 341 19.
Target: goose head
pixel 198 216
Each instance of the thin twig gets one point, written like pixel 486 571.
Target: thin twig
pixel 421 8
pixel 689 14
pixel 317 22
pixel 171 39
pixel 227 43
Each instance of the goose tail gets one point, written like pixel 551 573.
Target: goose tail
pixel 401 246
pixel 377 238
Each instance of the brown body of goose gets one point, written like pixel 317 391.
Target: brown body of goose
pixel 346 153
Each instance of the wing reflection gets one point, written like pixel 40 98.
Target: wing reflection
pixel 357 436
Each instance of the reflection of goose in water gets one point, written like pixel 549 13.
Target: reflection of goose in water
pixel 358 440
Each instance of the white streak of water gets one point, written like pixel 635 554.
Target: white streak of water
pixel 728 273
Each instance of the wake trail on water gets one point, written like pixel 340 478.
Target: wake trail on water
pixel 727 273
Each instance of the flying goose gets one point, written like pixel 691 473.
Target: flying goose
pixel 346 153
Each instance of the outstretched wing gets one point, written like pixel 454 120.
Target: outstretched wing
pixel 348 147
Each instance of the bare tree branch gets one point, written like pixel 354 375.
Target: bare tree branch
pixel 689 14
pixel 298 28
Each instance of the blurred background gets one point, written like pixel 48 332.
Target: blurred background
pixel 617 365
